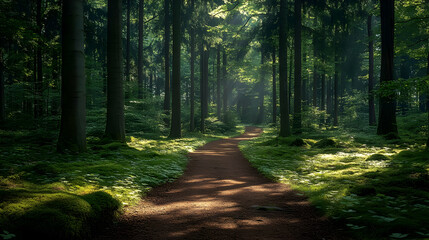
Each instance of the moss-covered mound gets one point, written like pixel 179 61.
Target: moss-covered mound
pixel 299 142
pixel 377 157
pixel 325 143
pixel 31 215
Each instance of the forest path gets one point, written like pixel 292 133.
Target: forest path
pixel 221 196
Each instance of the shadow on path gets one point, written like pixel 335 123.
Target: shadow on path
pixel 221 196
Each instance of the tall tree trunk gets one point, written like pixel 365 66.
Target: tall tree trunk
pixel 298 84
pixel 291 58
pixel 387 114
pixel 192 90
pixel 260 119
pixel 218 83
pixel 202 87
pixel 115 124
pixel 127 61
pixel 2 93
pixel 73 97
pixel 140 53
pixel 206 82
pixel 274 87
pixel 225 85
pixel 315 72
pixel 427 101
pixel 336 93
pixel 284 96
pixel 167 58
pixel 38 85
pixel 372 120
pixel 151 84
pixel 176 123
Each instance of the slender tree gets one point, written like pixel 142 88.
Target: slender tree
pixel 167 57
pixel 315 69
pixel 115 124
pixel 127 64
pixel 427 100
pixel 284 99
pixel 140 51
pixel 218 83
pixel 261 87
pixel 372 120
pixel 298 84
pixel 225 85
pixel 387 113
pixel 336 78
pixel 274 87
pixel 73 101
pixel 2 96
pixel 38 84
pixel 192 90
pixel 176 130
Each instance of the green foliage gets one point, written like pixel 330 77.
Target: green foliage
pixel 375 188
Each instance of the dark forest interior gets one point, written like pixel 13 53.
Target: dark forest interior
pixel 102 100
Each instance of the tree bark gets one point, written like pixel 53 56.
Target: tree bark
pixel 427 102
pixel 225 85
pixel 202 85
pixel 297 128
pixel 372 120
pixel 192 90
pixel 73 97
pixel 387 113
pixel 336 93
pixel 274 87
pixel 218 84
pixel 140 53
pixel 260 119
pixel 167 58
pixel 284 96
pixel 127 65
pixel 38 85
pixel 2 93
pixel 115 124
pixel 176 127
pixel 315 70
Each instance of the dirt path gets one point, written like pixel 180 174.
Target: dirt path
pixel 221 196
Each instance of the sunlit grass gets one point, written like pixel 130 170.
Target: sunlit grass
pixel 375 188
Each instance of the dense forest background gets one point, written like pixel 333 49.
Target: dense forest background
pixel 84 77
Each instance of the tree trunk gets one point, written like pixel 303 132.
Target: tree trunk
pixel 176 127
pixel 274 87
pixel 298 84
pixel 372 120
pixel 192 90
pixel 140 53
pixel 167 58
pixel 225 85
pixel 387 115
pixel 202 87
pixel 73 97
pixel 315 73
pixel 115 124
pixel 427 101
pixel 260 119
pixel 218 83
pixel 2 94
pixel 336 79
pixel 127 61
pixel 290 79
pixel 284 97
pixel 38 85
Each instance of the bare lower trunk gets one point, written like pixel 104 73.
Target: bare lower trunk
pixel 218 83
pixel 115 124
pixel 371 108
pixel 140 53
pixel 176 130
pixel 298 84
pixel 73 102
pixel 274 87
pixel 284 96
pixel 192 90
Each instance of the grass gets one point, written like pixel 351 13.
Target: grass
pixel 65 196
pixel 377 189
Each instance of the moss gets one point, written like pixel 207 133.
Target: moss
pixel 325 143
pixel 377 157
pixel 104 206
pixel 299 142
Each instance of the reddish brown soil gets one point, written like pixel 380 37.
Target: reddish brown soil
pixel 218 198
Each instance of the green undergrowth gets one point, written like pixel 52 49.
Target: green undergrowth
pixel 66 196
pixel 376 188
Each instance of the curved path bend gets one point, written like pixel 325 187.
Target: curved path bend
pixel 220 196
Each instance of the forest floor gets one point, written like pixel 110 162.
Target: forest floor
pixel 221 196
